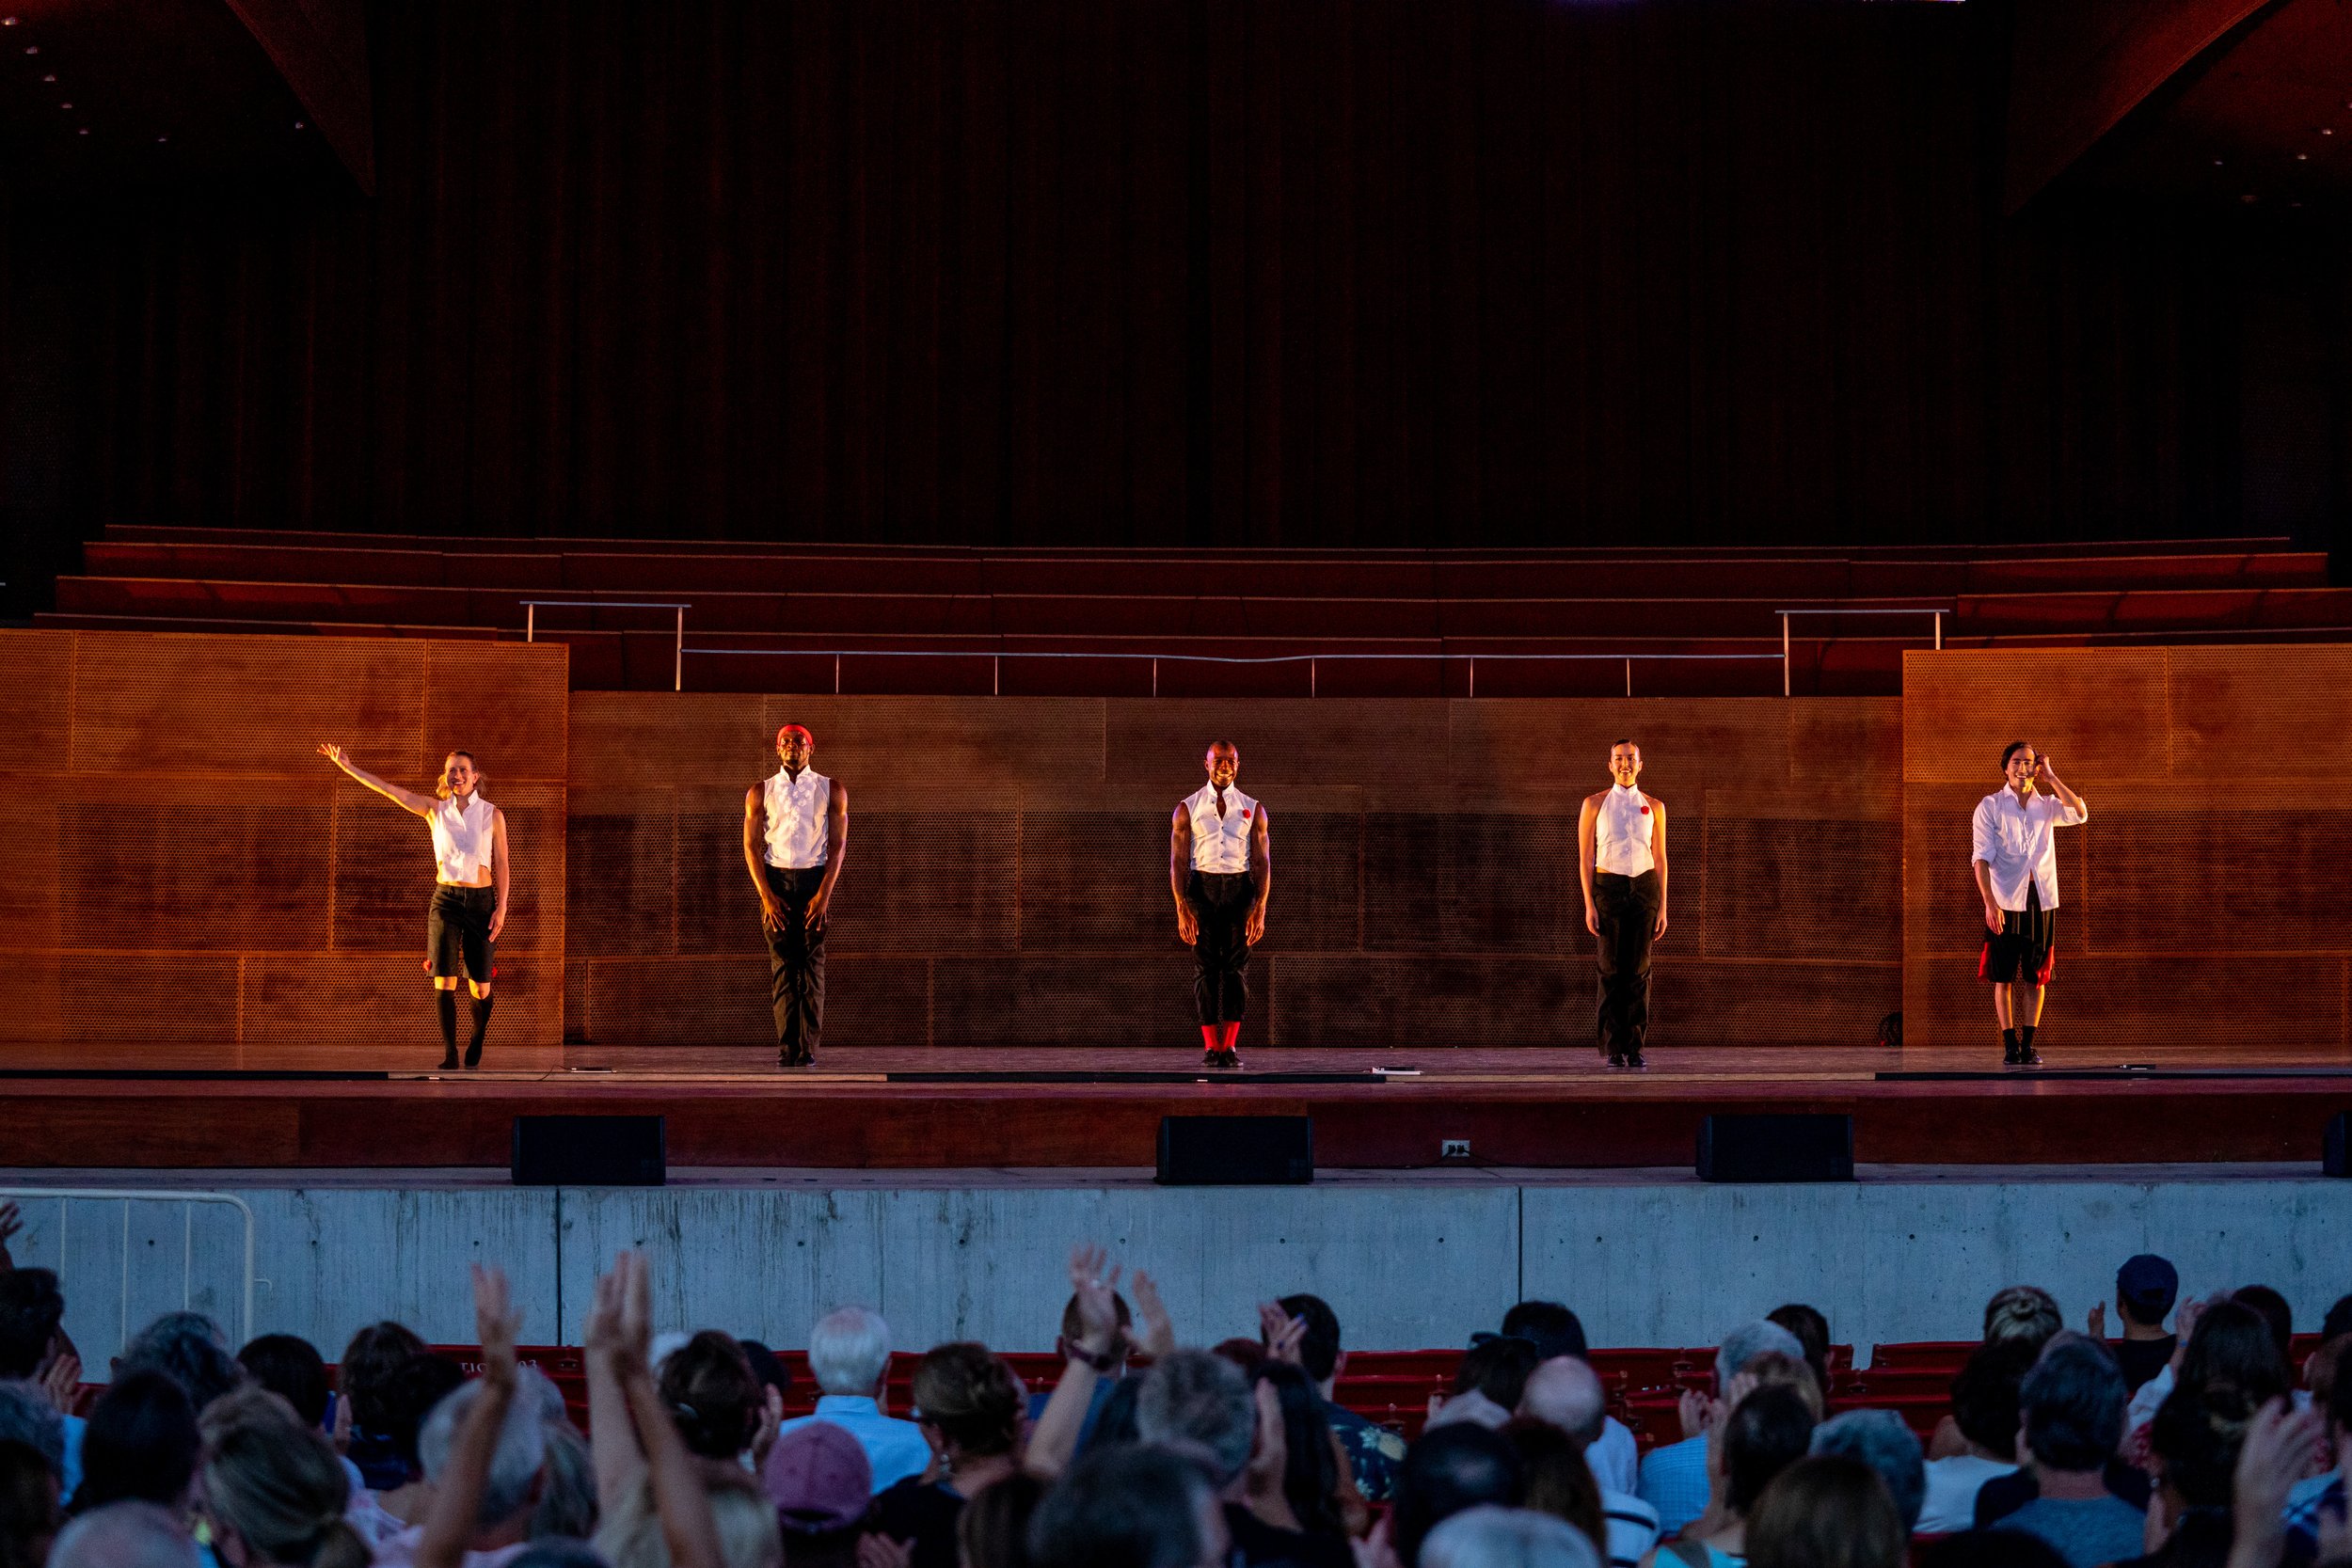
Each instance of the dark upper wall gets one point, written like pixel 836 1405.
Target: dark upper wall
pixel 1321 272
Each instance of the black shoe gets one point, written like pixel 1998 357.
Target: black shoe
pixel 473 1055
pixel 1212 1057
pixel 448 1060
pixel 2029 1056
pixel 1634 1058
pixel 1617 1058
pixel 2009 1054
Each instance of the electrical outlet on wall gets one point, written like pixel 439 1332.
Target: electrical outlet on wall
pixel 1452 1148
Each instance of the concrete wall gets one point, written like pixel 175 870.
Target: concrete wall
pixel 1660 1261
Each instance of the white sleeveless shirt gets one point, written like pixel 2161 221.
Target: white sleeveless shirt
pixel 1621 832
pixel 796 830
pixel 461 839
pixel 1220 844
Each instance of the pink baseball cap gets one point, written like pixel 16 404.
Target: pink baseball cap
pixel 819 1478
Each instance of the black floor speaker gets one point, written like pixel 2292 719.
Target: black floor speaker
pixel 1236 1151
pixel 2333 1161
pixel 1776 1148
pixel 590 1151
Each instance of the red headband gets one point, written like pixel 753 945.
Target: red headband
pixel 795 729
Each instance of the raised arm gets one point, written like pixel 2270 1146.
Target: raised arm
pixel 497 870
pixel 836 851
pixel 756 829
pixel 457 1503
pixel 1657 854
pixel 407 799
pixel 1054 1440
pixel 1179 869
pixel 1585 820
pixel 1260 873
pixel 2077 808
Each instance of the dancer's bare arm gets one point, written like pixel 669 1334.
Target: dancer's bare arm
pixel 497 870
pixel 755 832
pixel 406 800
pixel 1179 862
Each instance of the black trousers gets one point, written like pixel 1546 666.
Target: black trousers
pixel 1220 979
pixel 1626 908
pixel 796 960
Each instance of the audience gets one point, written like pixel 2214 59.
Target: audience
pixel 1491 1537
pixel 1449 1470
pixel 1878 1439
pixel 2145 1288
pixel 193 1457
pixel 1831 1511
pixel 1373 1452
pixel 1566 1393
pixel 849 1356
pixel 1555 1331
pixel 29 1515
pixel 970 1406
pixel 1673 1478
pixel 140 1444
pixel 2073 1401
pixel 1984 1418
pixel 374 1357
pixel 1764 1432
pixel 1558 1481
pixel 126 1535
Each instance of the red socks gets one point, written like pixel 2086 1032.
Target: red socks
pixel 1232 1033
pixel 1208 1035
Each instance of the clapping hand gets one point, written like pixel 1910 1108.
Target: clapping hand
pixel 1159 1329
pixel 2276 1451
pixel 618 1325
pixel 1094 1281
pixel 497 1324
pixel 1282 1333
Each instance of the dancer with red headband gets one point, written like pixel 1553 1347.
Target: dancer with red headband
pixel 1220 867
pixel 470 857
pixel 796 830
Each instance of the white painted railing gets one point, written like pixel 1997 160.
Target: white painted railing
pixel 71 1203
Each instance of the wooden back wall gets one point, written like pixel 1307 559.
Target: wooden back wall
pixel 2206 900
pixel 1007 875
pixel 181 865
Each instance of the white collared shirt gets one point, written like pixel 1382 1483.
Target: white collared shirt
pixel 2019 842
pixel 461 838
pixel 1220 844
pixel 1622 833
pixel 798 836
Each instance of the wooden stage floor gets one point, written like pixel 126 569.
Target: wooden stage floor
pixel 196 1105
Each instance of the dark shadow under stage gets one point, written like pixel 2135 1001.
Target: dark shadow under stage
pixel 194 1105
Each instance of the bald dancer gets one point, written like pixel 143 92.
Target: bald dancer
pixel 1220 867
pixel 796 832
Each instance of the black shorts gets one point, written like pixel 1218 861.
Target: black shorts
pixel 458 944
pixel 2026 949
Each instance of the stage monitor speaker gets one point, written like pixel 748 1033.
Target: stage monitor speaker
pixel 1236 1151
pixel 590 1151
pixel 2334 1154
pixel 1776 1148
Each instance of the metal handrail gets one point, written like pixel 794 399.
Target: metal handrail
pixel 1938 612
pixel 997 658
pixel 126 1196
pixel 677 674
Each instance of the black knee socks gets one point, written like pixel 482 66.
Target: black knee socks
pixel 2025 1036
pixel 445 1003
pixel 481 1027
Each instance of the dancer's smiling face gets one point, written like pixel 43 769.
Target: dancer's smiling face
pixel 1625 763
pixel 794 747
pixel 459 774
pixel 1223 763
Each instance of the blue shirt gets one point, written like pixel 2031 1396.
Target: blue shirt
pixel 1674 1481
pixel 895 1448
pixel 72 1476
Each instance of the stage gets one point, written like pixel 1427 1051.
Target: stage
pixel 194 1105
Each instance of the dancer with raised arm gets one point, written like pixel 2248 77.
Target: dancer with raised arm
pixel 2014 857
pixel 1220 867
pixel 1621 858
pixel 796 832
pixel 469 911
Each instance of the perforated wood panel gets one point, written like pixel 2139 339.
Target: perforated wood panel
pixel 2204 900
pixel 183 866
pixel 1007 882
